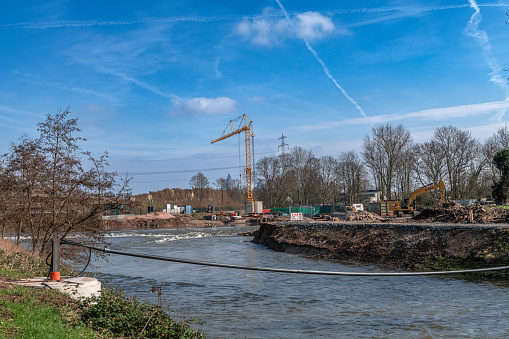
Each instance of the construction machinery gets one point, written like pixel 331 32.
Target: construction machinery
pixel 399 208
pixel 245 125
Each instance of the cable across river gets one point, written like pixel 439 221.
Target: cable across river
pixel 283 270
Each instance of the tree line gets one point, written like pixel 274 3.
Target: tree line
pixel 391 162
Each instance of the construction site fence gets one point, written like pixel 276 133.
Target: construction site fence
pixel 143 211
pixel 310 211
pixel 218 209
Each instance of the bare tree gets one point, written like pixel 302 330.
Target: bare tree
pixel 303 176
pixel 328 176
pixel 26 168
pixel 221 184
pixel 430 162
pixel 460 151
pixel 384 154
pixel 54 196
pixel 269 172
pixel 199 183
pixel 405 174
pixel 351 174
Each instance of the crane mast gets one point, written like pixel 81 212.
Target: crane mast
pixel 246 127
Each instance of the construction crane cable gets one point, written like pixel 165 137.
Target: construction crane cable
pixel 240 159
pixel 283 270
pixel 254 163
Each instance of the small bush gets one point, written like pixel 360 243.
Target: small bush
pixel 130 318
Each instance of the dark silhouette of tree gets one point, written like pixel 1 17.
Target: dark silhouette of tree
pixel 501 187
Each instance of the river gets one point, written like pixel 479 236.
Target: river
pixel 250 304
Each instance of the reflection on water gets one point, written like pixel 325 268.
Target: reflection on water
pixel 251 304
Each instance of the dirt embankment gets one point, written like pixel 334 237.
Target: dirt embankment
pixel 414 246
pixel 156 220
pixel 452 212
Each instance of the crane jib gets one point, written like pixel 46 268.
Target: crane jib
pixel 247 128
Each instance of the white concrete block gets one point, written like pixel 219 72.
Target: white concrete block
pixel 77 287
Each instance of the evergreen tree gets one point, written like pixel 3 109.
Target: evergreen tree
pixel 501 187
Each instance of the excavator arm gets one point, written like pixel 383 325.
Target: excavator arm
pixel 440 187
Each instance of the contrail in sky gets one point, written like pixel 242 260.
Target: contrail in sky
pixel 325 68
pixel 148 20
pixel 405 9
pixel 481 36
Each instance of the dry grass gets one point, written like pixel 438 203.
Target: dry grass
pixel 10 247
pixel 17 262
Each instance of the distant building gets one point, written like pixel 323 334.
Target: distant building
pixel 371 196
pixel 229 182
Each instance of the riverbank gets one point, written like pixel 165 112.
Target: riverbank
pixel 27 312
pixel 408 246
pixel 158 220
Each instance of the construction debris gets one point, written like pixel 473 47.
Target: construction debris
pixel 364 215
pixel 355 216
pixel 452 212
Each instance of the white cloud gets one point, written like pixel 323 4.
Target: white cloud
pixel 269 31
pixel 264 32
pixel 204 105
pixel 436 114
pixel 313 25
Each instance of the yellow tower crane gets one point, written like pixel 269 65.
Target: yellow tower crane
pixel 246 126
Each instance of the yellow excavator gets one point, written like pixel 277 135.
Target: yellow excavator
pixel 408 206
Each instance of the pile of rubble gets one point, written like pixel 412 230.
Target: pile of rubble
pixel 452 212
pixel 363 216
pixel 355 216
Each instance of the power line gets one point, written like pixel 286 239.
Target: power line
pixel 177 171
pixel 179 159
pixel 284 270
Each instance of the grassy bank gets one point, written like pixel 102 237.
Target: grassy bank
pixel 37 313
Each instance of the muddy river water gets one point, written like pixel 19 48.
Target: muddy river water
pixel 250 304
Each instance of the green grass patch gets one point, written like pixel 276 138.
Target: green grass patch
pixel 35 313
pixel 38 321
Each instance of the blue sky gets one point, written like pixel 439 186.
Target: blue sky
pixel 154 82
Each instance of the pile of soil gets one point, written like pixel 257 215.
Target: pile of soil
pixel 157 220
pixel 452 212
pixel 155 215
